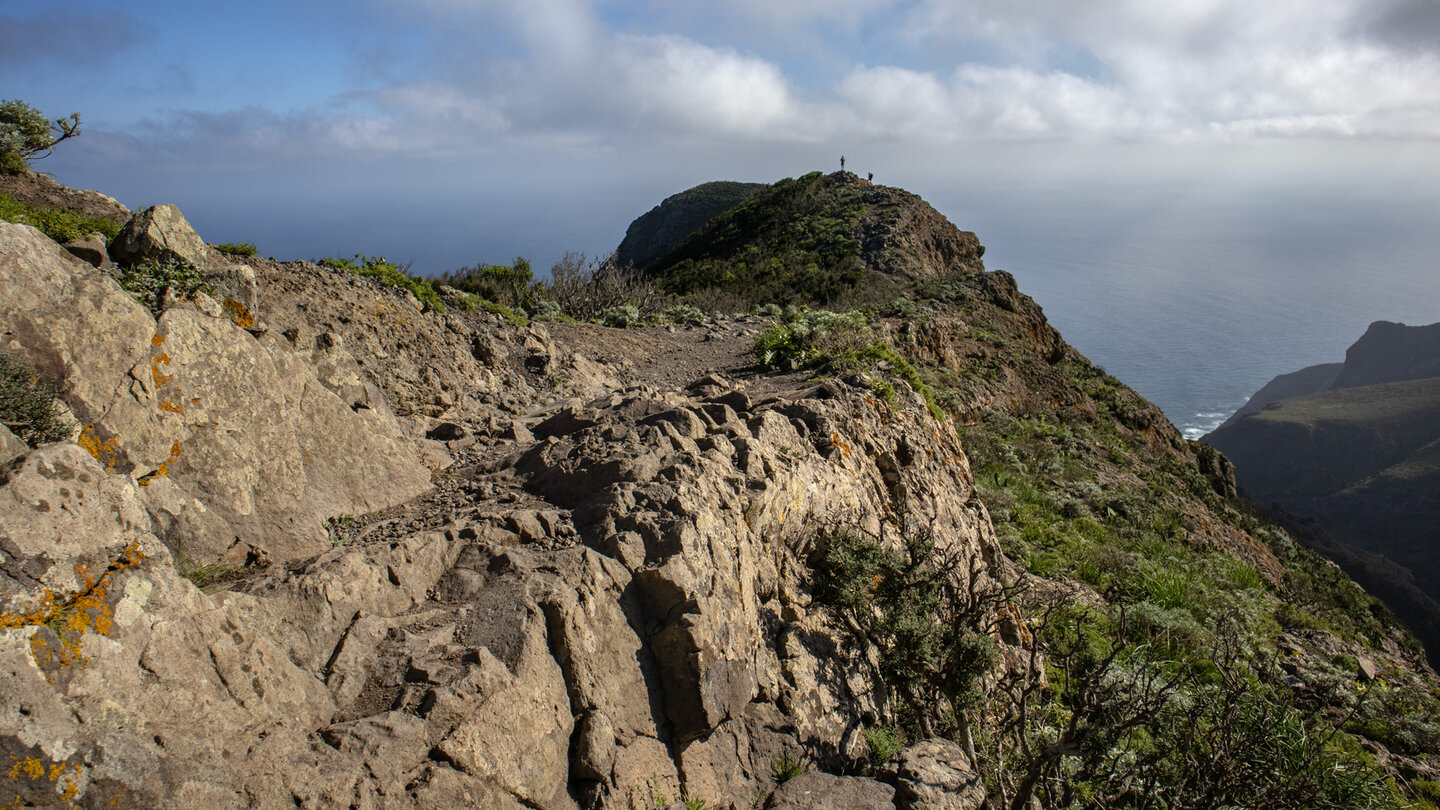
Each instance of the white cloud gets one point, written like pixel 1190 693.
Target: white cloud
pixel 572 74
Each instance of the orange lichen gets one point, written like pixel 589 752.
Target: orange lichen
pixel 157 340
pixel 239 313
pixel 70 619
pixel 161 379
pixel 105 451
pixel 164 468
pixel 171 407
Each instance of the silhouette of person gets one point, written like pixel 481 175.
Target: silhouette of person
pixel 842 163
pixel 869 176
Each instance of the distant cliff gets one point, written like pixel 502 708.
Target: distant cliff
pixel 1356 447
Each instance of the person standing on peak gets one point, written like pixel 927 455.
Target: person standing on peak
pixel 842 163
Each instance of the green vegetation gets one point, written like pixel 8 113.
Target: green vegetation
pixel 237 248
pixel 511 285
pixel 150 282
pixel 786 768
pixel 884 741
pixel 899 595
pixel 389 275
pixel 838 343
pixel 59 224
pixel 793 242
pixel 659 231
pixel 28 405
pixel 26 135
pixel 205 576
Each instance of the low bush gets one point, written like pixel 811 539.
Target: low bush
pixel 389 275
pixel 907 601
pixel 237 248
pixel 586 289
pixel 884 741
pixel 149 282
pixel 59 224
pixel 510 285
pixel 813 337
pixel 28 405
pixel 622 317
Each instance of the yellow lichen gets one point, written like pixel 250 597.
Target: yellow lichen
pixel 105 451
pixel 239 313
pixel 89 610
pixel 34 769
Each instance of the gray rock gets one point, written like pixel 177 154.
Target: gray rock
pixel 11 447
pixel 70 322
pixel 936 775
pixel 90 249
pixel 822 791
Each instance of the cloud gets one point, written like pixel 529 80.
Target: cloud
pixel 52 38
pixel 578 76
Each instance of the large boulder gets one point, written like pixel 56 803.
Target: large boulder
pixel 237 445
pixel 161 233
pixel 935 775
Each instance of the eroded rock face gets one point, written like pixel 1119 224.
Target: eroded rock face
pixel 650 635
pixel 70 322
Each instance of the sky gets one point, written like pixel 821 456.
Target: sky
pixel 446 133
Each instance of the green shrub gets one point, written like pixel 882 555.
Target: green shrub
pixel 786 768
pixel 549 311
pixel 389 275
pixel 683 313
pixel 59 224
pixel 906 603
pixel 812 337
pixel 513 317
pixel 511 285
pixel 28 405
pixel 622 317
pixel 237 248
pixel 26 135
pixel 150 281
pixel 884 741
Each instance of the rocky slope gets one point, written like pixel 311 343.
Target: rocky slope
pixel 341 549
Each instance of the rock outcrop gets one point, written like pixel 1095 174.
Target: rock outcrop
pixel 160 234
pixel 239 448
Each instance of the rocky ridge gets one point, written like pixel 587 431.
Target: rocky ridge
pixel 473 564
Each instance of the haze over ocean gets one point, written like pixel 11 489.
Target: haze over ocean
pixel 1197 311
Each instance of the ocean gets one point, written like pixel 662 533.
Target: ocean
pixel 1196 307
